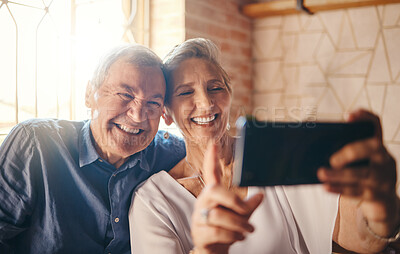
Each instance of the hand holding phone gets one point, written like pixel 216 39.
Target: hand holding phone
pixel 288 153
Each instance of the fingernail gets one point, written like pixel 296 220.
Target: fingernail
pixel 335 161
pixel 321 174
pixel 250 228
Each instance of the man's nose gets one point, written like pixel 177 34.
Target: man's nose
pixel 137 112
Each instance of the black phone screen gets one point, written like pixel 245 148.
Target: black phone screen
pixel 282 153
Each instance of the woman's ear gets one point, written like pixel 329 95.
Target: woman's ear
pixel 167 118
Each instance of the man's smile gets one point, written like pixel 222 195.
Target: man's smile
pixel 129 130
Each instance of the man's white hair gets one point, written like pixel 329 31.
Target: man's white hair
pixel 134 54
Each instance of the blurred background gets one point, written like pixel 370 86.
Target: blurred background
pixel 284 64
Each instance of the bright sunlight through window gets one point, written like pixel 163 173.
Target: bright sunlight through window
pixel 48 51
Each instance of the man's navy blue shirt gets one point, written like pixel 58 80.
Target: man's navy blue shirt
pixel 58 196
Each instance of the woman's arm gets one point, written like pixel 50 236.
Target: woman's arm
pixel 369 208
pixel 150 231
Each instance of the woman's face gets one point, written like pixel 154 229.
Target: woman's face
pixel 199 101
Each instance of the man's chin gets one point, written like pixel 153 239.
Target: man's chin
pixel 131 145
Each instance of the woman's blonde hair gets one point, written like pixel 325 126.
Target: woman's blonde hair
pixel 193 48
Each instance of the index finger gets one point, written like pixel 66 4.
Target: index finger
pixel 211 165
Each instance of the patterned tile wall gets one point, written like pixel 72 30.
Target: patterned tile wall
pixel 325 65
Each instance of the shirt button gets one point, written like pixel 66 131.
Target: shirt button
pixel 100 160
pixel 116 220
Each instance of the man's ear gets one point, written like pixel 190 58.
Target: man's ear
pixel 89 95
pixel 167 118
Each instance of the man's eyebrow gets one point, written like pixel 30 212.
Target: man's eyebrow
pixel 126 87
pixel 132 90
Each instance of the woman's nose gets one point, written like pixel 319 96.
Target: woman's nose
pixel 203 100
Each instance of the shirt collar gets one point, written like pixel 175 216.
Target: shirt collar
pixel 139 157
pixel 88 153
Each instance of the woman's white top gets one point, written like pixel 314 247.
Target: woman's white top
pixel 291 219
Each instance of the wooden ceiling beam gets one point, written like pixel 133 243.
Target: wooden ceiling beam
pixel 284 7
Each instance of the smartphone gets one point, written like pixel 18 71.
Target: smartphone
pixel 289 153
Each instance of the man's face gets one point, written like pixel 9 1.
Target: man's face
pixel 126 109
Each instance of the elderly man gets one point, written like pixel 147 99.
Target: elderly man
pixel 65 187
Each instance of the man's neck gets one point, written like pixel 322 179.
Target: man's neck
pixel 116 161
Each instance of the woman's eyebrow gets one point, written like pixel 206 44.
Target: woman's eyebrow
pixel 183 85
pixel 214 81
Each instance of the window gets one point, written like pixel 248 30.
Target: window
pixel 49 47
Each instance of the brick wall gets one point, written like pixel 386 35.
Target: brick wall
pixel 167 25
pixel 174 21
pixel 222 22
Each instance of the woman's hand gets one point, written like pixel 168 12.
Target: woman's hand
pixel 220 217
pixel 372 186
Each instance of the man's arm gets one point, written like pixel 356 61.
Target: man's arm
pixel 17 158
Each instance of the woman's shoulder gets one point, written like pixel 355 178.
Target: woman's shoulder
pixel 166 179
pixel 153 185
pixel 160 189
pixel 163 197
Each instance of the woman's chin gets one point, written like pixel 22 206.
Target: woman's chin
pixel 203 137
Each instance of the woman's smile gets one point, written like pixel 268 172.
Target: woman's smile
pixel 204 120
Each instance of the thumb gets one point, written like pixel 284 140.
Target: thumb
pixel 253 202
pixel 211 165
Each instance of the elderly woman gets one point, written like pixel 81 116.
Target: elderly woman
pixel 174 212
